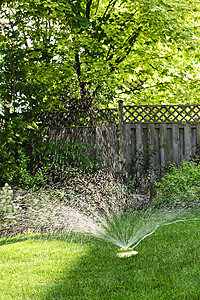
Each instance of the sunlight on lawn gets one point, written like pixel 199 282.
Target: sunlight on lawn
pixel 33 264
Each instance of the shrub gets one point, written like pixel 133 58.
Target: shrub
pixel 26 161
pixel 17 137
pixel 12 154
pixel 180 187
pixel 61 160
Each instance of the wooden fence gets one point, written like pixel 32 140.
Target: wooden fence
pixel 135 139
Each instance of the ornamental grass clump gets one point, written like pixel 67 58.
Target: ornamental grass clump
pixel 9 208
pixel 53 208
pixel 21 210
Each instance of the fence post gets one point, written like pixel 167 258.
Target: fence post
pixel 121 138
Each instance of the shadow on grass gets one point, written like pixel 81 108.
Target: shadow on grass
pixel 93 271
pixel 97 274
pixel 19 238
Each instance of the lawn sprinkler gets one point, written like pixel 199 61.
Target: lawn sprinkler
pixel 126 252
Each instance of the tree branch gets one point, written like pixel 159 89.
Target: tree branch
pixel 88 8
pixel 85 97
pixel 25 39
pixel 96 9
pixel 139 87
pixel 131 40
pixel 110 4
pixel 77 65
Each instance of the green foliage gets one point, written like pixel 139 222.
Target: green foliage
pixel 65 154
pixel 26 161
pixel 80 53
pixel 15 144
pixel 180 187
pixel 61 160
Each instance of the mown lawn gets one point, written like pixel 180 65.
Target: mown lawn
pixel 61 267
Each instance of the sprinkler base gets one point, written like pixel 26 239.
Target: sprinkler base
pixel 126 252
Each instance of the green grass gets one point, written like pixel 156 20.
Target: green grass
pixel 167 266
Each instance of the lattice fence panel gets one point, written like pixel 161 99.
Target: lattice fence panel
pixel 161 113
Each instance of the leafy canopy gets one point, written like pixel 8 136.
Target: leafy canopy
pixel 81 53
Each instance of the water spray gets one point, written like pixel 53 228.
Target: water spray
pixel 127 252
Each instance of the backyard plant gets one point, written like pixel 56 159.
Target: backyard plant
pixel 180 187
pixel 9 209
pixel 20 142
pixel 63 159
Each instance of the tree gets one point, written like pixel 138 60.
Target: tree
pixel 81 53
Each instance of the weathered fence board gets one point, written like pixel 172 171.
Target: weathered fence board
pixel 175 142
pixel 139 145
pixel 153 146
pixel 163 143
pixel 144 145
pixel 187 140
pixel 198 133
